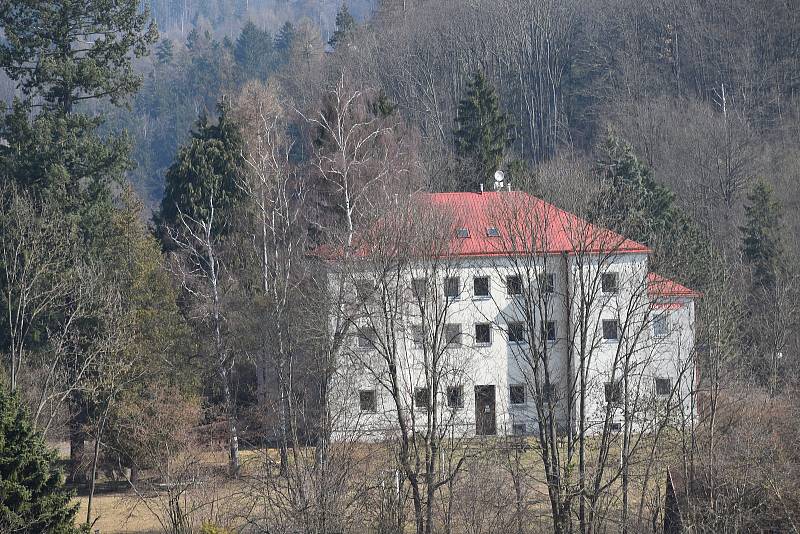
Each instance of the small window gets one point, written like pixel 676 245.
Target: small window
pixel 663 386
pixel 549 331
pixel 455 397
pixel 609 282
pixel 517 394
pixel 462 232
pixel 516 332
pixel 417 335
pixel 613 392
pixel 367 400
pixel 660 326
pixel 518 429
pixel 364 290
pixel 480 286
pixel 492 231
pixel 419 288
pixel 547 283
pixel 610 327
pixel 367 338
pixel 452 287
pixel 514 285
pixel 452 334
pixel 421 398
pixel 549 392
pixel 483 334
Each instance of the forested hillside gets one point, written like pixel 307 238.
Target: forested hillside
pixel 175 174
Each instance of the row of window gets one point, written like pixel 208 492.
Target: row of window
pixel 517 394
pixel 452 333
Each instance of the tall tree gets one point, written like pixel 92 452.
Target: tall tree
pixel 33 495
pixel 481 134
pixel 762 243
pixel 207 167
pixel 345 24
pixel 253 52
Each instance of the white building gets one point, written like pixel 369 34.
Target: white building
pixel 456 341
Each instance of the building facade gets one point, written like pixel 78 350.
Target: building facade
pixel 518 313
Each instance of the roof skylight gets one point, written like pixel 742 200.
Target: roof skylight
pixel 462 232
pixel 492 231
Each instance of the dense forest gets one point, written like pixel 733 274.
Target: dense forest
pixel 170 170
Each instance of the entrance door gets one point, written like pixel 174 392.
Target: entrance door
pixel 485 424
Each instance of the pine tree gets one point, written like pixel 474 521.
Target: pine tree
pixel 206 168
pixel 345 24
pixel 165 52
pixel 253 52
pixel 32 493
pixel 762 244
pixel 481 134
pixel 283 41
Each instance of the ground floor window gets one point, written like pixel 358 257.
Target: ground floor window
pixel 663 386
pixel 368 400
pixel 455 397
pixel 613 391
pixel 517 394
pixel 421 398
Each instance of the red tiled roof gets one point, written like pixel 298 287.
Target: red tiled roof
pixel 525 223
pixel 658 286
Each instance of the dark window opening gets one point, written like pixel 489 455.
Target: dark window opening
pixel 452 334
pixel 609 282
pixel 610 327
pixel 421 399
pixel 613 392
pixel 660 328
pixel 367 400
pixel 419 288
pixel 549 331
pixel 514 285
pixel 480 286
pixel 483 334
pixel 518 429
pixel 455 397
pixel 516 332
pixel 547 283
pixel 517 394
pixel 663 386
pixel 452 287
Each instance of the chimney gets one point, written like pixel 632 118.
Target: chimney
pixel 481 188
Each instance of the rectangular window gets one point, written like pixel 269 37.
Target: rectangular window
pixel 518 429
pixel 419 288
pixel 480 286
pixel 367 338
pixel 367 400
pixel 364 290
pixel 549 331
pixel 609 282
pixel 516 332
pixel 483 334
pixel 452 287
pixel 660 325
pixel 417 335
pixel 517 394
pixel 513 285
pixel 610 327
pixel 613 392
pixel 549 392
pixel 663 386
pixel 462 232
pixel 421 398
pixel 452 334
pixel 455 397
pixel 547 283
pixel 492 231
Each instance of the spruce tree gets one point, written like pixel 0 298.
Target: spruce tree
pixel 32 493
pixel 283 41
pixel 206 168
pixel 253 52
pixel 481 134
pixel 345 24
pixel 762 244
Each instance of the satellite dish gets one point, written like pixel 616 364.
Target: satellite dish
pixel 499 176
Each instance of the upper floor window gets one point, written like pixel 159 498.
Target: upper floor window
pixel 517 394
pixel 516 332
pixel 610 329
pixel 419 287
pixel 483 334
pixel 367 338
pixel 452 287
pixel 480 286
pixel 549 392
pixel 421 398
pixel 367 400
pixel 364 289
pixel 613 392
pixel 452 334
pixel 417 335
pixel 609 282
pixel 549 331
pixel 547 283
pixel 663 386
pixel 513 285
pixel 660 325
pixel 455 397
